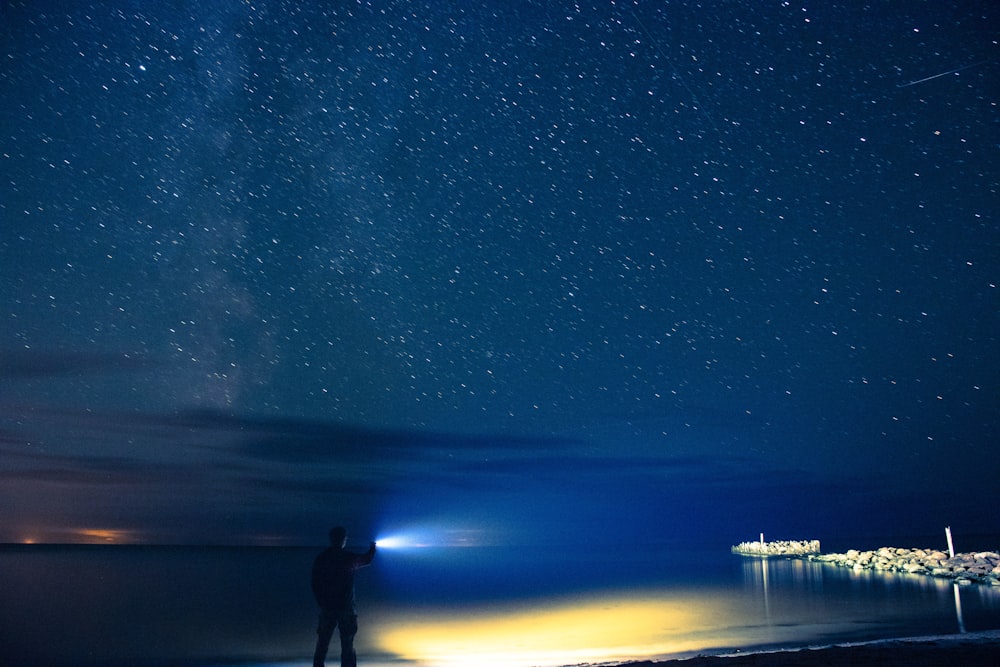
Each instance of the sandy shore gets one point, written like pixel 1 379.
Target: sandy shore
pixel 971 649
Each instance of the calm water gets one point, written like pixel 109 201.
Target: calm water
pixel 200 606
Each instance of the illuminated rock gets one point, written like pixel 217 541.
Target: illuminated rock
pixel 778 548
pixel 981 567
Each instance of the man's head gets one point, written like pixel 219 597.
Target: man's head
pixel 338 536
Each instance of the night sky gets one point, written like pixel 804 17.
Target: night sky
pixel 606 271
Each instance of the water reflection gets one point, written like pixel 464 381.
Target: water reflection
pixel 958 610
pixel 771 602
pixel 634 624
pixel 887 602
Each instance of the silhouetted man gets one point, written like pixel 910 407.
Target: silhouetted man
pixel 333 586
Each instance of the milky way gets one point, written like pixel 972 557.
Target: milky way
pixel 715 269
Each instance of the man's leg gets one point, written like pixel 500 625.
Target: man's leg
pixel 324 631
pixel 348 628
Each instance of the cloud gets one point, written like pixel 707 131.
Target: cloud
pixel 213 473
pixel 160 467
pixel 303 441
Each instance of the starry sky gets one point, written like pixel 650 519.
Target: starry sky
pixel 608 270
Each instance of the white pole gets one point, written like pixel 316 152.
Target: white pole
pixel 951 546
pixel 762 547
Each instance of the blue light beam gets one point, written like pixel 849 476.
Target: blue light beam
pixel 429 538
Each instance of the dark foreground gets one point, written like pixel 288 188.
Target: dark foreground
pixel 972 649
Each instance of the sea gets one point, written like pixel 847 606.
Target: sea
pixel 542 606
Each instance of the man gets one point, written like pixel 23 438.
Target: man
pixel 333 586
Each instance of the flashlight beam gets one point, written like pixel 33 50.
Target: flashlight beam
pixel 430 538
pixel 398 542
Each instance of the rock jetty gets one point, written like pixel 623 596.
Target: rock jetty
pixel 965 568
pixel 778 548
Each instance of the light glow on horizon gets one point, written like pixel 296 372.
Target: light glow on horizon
pixel 104 536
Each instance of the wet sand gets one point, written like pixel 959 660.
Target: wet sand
pixel 971 649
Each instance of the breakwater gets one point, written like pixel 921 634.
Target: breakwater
pixel 963 568
pixel 777 548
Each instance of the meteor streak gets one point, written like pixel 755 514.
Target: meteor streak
pixel 951 71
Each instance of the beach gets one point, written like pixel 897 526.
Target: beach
pixel 974 648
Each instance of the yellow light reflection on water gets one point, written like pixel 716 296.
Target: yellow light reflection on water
pixel 567 631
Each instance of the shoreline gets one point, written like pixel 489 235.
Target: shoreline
pixel 971 648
